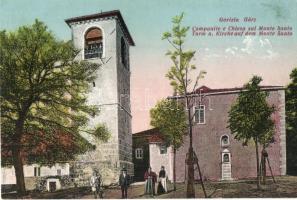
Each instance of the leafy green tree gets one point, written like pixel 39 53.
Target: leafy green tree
pixel 250 117
pixel 291 120
pixel 43 95
pixel 170 118
pixel 179 75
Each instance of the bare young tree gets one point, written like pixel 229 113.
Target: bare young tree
pixel 183 85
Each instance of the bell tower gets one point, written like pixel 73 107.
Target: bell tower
pixel 104 38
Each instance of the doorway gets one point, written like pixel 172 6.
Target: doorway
pixel 52 186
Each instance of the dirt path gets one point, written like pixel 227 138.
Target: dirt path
pixel 286 187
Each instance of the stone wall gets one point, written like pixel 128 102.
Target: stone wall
pixel 125 117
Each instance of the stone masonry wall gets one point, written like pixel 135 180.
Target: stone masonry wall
pixel 124 111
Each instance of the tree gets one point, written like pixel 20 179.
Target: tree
pixel 250 117
pixel 43 98
pixel 291 120
pixel 170 118
pixel 179 76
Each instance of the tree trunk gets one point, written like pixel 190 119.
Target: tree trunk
pixel 190 180
pixel 19 171
pixel 17 158
pixel 174 170
pixel 190 160
pixel 257 158
pixel 264 168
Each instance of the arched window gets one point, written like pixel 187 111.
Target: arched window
pixel 225 140
pixel 93 43
pixel 124 59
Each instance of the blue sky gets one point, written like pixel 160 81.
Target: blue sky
pixel 146 19
pixel 229 61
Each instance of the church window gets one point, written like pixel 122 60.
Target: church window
pixel 93 43
pixel 225 140
pixel 226 158
pixel 138 153
pixel 200 114
pixel 124 53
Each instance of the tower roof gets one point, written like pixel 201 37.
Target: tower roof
pixel 113 13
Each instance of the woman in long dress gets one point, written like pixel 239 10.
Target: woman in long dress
pixel 151 178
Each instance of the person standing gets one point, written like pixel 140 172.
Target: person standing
pixel 163 177
pixel 124 183
pixel 151 178
pixel 95 184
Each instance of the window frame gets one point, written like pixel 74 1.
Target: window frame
pixel 226 155
pixel 124 53
pixel 197 112
pixel 221 141
pixel 163 148
pixel 84 42
pixel 139 153
pixel 37 171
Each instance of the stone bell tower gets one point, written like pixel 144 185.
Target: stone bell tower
pixel 104 38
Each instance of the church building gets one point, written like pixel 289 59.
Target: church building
pixel 220 155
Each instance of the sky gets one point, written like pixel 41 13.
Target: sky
pixel 230 61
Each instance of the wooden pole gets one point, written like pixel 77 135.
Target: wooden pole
pixel 270 170
pixel 261 168
pixel 200 175
pixel 264 170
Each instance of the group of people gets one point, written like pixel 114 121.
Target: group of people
pixel 150 177
pixel 151 180
pixel 95 183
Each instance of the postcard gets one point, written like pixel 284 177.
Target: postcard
pixel 148 99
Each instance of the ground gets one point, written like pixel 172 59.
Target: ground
pixel 286 186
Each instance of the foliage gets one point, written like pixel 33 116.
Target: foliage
pixel 44 95
pixel 291 122
pixel 170 118
pixel 250 116
pixel 178 73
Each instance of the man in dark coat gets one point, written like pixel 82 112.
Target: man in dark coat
pixel 162 186
pixel 124 180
